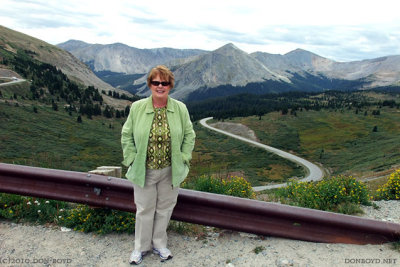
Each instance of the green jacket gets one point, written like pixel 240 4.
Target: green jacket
pixel 135 137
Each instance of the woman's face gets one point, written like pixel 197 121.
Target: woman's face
pixel 158 90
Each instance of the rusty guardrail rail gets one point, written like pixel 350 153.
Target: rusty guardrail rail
pixel 221 211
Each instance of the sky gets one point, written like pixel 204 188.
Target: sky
pixel 341 30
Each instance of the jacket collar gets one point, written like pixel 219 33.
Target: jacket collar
pixel 149 105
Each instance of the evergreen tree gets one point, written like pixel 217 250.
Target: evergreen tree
pixel 376 112
pixel 108 113
pixel 55 106
pixel 97 110
pixel 34 92
pixel 127 109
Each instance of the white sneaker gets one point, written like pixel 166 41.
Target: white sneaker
pixel 136 257
pixel 164 253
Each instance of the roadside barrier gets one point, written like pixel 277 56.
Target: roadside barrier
pixel 239 214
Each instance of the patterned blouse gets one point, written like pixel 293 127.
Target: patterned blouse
pixel 159 147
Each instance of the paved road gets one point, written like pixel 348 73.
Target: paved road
pixel 11 82
pixel 314 173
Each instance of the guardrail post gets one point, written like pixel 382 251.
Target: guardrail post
pixel 108 171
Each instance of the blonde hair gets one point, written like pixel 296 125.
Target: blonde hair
pixel 165 74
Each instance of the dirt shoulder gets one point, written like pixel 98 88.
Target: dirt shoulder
pixel 49 246
pixel 236 128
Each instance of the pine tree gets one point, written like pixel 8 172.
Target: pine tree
pixel 55 106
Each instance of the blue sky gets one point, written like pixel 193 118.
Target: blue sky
pixel 340 30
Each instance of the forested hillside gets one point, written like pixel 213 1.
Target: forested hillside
pixel 49 85
pixel 243 105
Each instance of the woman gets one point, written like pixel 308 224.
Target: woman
pixel 157 142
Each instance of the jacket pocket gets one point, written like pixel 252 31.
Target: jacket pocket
pixel 186 165
pixel 130 172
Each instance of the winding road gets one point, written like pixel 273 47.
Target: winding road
pixel 13 80
pixel 314 173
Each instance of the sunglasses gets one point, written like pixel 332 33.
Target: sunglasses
pixel 157 83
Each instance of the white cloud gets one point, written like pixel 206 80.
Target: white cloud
pixel 341 30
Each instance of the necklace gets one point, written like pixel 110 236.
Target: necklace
pixel 159 105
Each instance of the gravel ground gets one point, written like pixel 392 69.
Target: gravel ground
pixel 236 128
pixel 50 246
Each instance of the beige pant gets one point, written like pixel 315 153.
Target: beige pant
pixel 154 205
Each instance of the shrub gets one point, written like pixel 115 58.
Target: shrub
pixel 234 186
pixel 239 187
pixel 79 217
pixel 206 184
pixel 390 190
pixel 338 194
pixel 258 249
pixel 100 220
pixel 30 209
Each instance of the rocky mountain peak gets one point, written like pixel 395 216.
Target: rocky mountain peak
pixel 308 61
pixel 73 45
pixel 230 67
pixel 228 48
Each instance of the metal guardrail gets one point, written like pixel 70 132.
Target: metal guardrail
pixel 221 211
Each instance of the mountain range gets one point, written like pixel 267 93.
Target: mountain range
pixel 201 74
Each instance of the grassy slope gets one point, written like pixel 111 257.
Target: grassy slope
pixel 53 139
pixel 342 141
pixel 217 154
